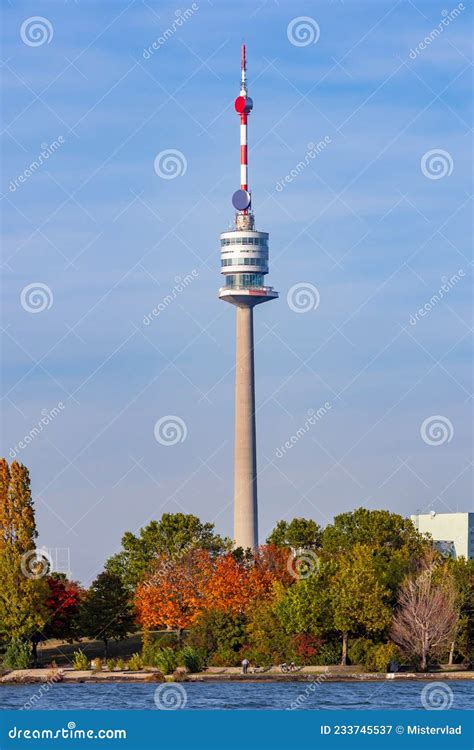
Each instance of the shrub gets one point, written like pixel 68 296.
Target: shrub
pixel 80 661
pixel 96 664
pixel 225 657
pixel 358 650
pixel 151 651
pixel 379 657
pixel 165 660
pixel 17 655
pixel 155 677
pixel 120 665
pixel 329 653
pixel 165 640
pixel 135 663
pixel 267 642
pixel 180 674
pixel 110 664
pixel 306 649
pixel 215 630
pixel 192 659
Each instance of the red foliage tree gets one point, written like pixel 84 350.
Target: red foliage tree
pixel 62 606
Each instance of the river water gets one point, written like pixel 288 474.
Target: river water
pixel 455 694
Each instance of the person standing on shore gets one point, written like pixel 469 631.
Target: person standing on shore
pixel 245 666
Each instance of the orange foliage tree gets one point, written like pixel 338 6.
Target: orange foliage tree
pixel 234 585
pixel 173 594
pixel 178 590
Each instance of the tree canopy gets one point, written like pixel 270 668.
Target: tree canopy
pixel 300 533
pixel 172 535
pixel 106 612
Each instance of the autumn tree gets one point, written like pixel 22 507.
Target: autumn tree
pixel 300 533
pixel 17 516
pixel 64 602
pixel 171 536
pixel 5 505
pixel 106 613
pixel 23 590
pixel 62 607
pixel 359 598
pixel 237 584
pixel 425 622
pixel 174 593
pixel 228 587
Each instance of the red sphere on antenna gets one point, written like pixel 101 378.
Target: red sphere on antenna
pixel 243 105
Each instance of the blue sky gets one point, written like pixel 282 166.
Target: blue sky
pixel 376 222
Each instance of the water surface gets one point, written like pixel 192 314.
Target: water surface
pixel 455 694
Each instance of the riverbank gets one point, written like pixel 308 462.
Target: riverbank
pixel 229 674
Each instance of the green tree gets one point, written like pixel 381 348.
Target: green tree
pixel 300 533
pixel 306 607
pixel 106 613
pixel 22 599
pixel 394 538
pixel 462 646
pixel 266 638
pixel 216 631
pixel 359 598
pixel 173 534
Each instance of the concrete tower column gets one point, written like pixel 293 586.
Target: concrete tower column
pixel 245 467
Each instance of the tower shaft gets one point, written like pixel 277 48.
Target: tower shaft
pixel 245 451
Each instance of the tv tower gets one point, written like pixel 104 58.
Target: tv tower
pixel 244 263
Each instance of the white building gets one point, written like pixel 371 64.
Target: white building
pixel 452 533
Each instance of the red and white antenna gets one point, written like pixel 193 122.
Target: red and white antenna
pixel 243 106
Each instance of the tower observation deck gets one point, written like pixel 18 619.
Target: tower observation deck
pixel 244 264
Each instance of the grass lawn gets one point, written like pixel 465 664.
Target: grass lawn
pixel 62 651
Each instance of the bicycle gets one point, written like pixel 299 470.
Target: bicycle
pixel 291 667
